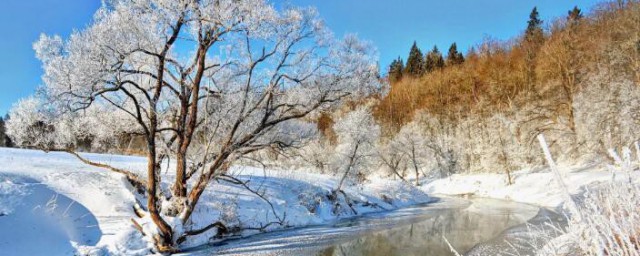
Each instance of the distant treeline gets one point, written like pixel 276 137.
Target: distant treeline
pixel 5 141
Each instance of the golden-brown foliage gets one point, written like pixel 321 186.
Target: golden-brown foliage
pixel 495 77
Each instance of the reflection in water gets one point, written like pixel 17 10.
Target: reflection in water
pixel 524 239
pixel 414 231
pixel 463 227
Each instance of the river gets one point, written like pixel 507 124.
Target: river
pixel 472 227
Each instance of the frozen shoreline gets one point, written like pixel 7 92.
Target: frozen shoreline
pixel 302 196
pixel 537 188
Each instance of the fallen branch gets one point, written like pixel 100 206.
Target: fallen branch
pixel 221 230
pixel 573 207
pixel 262 227
pixel 453 250
pixel 133 179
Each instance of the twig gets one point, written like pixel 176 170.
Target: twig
pixel 244 184
pixel 453 250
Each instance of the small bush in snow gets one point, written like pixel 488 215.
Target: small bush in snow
pixel 609 221
pixel 612 221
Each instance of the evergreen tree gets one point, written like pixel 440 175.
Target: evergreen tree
pixel 534 31
pixel 2 133
pixel 453 56
pixel 574 15
pixel 434 60
pixel 415 62
pixel 396 69
pixel 534 37
pixel 5 141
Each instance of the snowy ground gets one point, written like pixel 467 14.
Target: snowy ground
pixel 93 207
pixel 542 189
pixel 538 188
pixel 52 204
pixel 28 208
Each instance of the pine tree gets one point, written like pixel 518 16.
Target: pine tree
pixel 5 141
pixel 2 133
pixel 434 60
pixel 574 15
pixel 453 56
pixel 534 37
pixel 534 31
pixel 396 69
pixel 415 62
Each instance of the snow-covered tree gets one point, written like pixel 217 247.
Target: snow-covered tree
pixel 216 78
pixel 316 153
pixel 411 142
pixel 502 147
pixel 3 136
pixel 441 143
pixel 392 159
pixel 358 134
pixel 606 112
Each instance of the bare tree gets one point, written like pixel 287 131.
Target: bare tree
pixel 393 159
pixel 357 134
pixel 213 79
pixel 412 142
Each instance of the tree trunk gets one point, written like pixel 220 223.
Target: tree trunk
pixel 189 118
pixel 346 173
pixel 505 161
pixel 165 240
pixel 201 185
pixel 180 185
pixel 415 164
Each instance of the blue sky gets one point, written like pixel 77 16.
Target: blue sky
pixel 392 26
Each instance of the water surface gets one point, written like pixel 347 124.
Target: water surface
pixel 471 226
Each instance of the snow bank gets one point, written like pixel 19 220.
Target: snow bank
pixel 35 220
pixel 298 199
pixel 534 188
pixel 610 224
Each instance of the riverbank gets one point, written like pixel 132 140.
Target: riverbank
pixel 295 199
pixel 35 220
pixel 413 230
pixel 606 206
pixel 538 188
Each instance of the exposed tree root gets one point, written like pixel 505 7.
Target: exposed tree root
pixel 138 227
pixel 334 196
pixel 138 210
pixel 222 229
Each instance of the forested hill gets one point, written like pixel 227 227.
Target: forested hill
pixel 574 79
pixel 549 64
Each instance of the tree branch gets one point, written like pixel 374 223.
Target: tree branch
pixel 134 179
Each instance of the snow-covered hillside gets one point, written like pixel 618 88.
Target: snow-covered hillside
pixel 92 208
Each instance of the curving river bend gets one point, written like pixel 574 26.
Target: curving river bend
pixel 472 227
